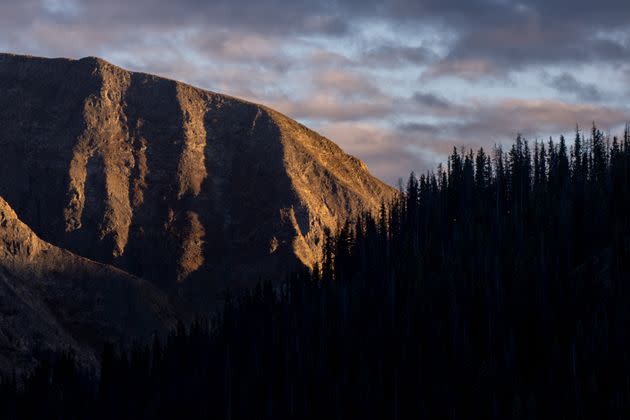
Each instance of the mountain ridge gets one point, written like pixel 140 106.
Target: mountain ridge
pixel 167 181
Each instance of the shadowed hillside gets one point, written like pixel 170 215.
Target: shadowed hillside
pixel 51 300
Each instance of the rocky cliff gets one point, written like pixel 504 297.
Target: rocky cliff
pixel 171 183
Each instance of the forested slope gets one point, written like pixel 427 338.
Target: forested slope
pixel 496 287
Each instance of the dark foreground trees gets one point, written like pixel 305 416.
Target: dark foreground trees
pixel 498 287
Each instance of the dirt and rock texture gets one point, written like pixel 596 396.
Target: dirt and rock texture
pixel 53 300
pixel 166 181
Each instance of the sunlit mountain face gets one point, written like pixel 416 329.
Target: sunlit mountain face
pixel 396 83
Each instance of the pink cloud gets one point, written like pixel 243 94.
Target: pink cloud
pixel 344 82
pixel 326 106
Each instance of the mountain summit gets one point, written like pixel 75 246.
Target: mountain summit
pixel 169 182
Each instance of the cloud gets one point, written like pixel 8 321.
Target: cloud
pixel 327 107
pixel 399 82
pixel 62 8
pixel 419 128
pixel 487 124
pixel 482 38
pixel 344 82
pixel 542 117
pixel 269 17
pixel 533 42
pixel 322 57
pixel 567 83
pixel 471 69
pixel 236 46
pixel 517 35
pixel 398 55
pixel 431 100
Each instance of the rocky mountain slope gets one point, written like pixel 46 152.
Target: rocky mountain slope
pixel 51 300
pixel 171 183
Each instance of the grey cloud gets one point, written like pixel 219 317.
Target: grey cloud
pixel 241 48
pixel 490 37
pixel 533 38
pixel 567 83
pixel 397 55
pixel 429 104
pixel 418 128
pixel 485 125
pixel 472 69
pixel 273 16
pixel 326 24
pixel 535 44
pixel 431 100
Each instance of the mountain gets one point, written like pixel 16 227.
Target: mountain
pixel 51 300
pixel 188 188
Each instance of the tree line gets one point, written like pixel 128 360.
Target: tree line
pixel 496 287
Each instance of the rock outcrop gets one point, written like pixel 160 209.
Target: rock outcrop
pixel 166 181
pixel 52 300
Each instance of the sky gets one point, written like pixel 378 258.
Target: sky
pixel 396 83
